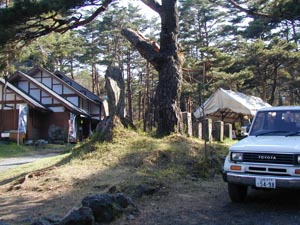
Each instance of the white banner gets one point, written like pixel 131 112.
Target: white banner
pixel 72 128
pixel 22 125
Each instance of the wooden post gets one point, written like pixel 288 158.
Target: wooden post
pixel 197 129
pixel 187 123
pixel 219 131
pixel 228 130
pixel 207 129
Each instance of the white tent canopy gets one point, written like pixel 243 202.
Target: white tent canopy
pixel 228 102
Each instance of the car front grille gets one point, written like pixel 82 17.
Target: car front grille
pixel 270 158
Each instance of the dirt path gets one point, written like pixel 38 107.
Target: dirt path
pixel 16 161
pixel 208 203
pixel 186 202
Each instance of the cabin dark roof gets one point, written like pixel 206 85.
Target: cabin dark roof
pixel 77 86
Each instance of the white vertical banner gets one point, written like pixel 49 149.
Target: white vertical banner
pixel 72 128
pixel 23 111
pixel 22 123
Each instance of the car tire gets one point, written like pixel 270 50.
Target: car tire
pixel 237 193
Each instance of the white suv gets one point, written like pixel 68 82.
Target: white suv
pixel 269 157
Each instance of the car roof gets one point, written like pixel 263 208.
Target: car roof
pixel 278 108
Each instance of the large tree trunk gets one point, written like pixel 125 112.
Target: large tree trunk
pixel 167 60
pixel 115 88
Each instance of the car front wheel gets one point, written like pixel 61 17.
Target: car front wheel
pixel 237 193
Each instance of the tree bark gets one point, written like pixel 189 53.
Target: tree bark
pixel 115 87
pixel 129 89
pixel 167 60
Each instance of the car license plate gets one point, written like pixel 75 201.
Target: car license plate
pixel 265 182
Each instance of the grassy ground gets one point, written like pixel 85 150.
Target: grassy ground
pixel 152 158
pixel 13 150
pixel 130 160
pixel 9 150
pixel 171 157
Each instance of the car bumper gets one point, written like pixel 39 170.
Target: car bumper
pixel 250 180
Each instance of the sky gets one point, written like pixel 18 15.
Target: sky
pixel 144 9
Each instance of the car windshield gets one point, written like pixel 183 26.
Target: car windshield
pixel 276 123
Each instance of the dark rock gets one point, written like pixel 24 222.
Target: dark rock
pixel 105 207
pixel 47 220
pixel 2 223
pixel 130 217
pixel 54 219
pixel 81 216
pixel 28 220
pixel 138 191
pixel 42 221
pixel 112 189
pixel 123 201
pixel 144 189
pixel 95 208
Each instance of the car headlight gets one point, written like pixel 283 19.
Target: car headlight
pixel 238 156
pixel 298 159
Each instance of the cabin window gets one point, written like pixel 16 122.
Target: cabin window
pixel 46 100
pixel 57 109
pixel 36 94
pixel 55 81
pixel 10 97
pixel 57 88
pixel 32 86
pixel 24 86
pixel 95 109
pixel 73 100
pixel 68 91
pixel 48 82
pixel 84 104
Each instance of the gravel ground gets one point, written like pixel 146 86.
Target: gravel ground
pixel 208 203
pixel 184 202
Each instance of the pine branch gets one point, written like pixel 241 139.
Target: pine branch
pixel 153 4
pixel 150 50
pixel 248 11
pixel 43 25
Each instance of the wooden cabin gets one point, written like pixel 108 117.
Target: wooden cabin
pixel 57 108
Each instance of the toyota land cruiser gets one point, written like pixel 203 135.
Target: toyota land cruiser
pixel 269 157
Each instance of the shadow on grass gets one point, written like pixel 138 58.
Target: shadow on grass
pixel 161 162
pixel 177 156
pixel 158 162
